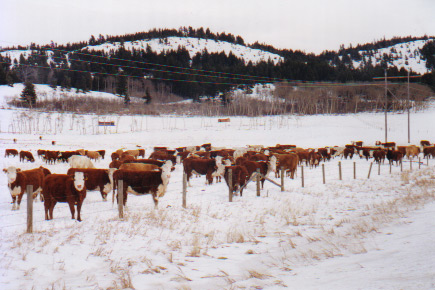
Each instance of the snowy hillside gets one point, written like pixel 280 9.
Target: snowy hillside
pixel 194 45
pixel 403 55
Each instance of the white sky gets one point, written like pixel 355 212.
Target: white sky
pixel 309 25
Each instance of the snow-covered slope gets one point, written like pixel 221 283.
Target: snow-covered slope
pixel 194 45
pixel 403 55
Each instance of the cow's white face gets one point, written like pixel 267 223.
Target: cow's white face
pixel 227 162
pixel 11 173
pixel 219 171
pixel 218 159
pixel 79 180
pixel 166 172
pixel 272 164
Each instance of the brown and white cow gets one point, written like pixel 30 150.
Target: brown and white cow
pixel 288 162
pixel 379 155
pixel 9 152
pixel 96 179
pixel 412 151
pixel 64 188
pixel 394 155
pixel 26 155
pixel 142 182
pixel 139 167
pixel 199 166
pixel 239 177
pixel 19 180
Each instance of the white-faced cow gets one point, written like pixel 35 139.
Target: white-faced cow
pixel 96 179
pixel 64 188
pixel 19 180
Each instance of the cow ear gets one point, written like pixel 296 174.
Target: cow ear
pixel 18 169
pixel 5 170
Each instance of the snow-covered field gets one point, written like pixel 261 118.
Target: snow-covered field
pixel 363 233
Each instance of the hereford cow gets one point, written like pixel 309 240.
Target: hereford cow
pixel 429 151
pixel 26 155
pixel 139 167
pixel 96 179
pixel 379 155
pixel 51 156
pixel 93 155
pixel 9 152
pixel 65 155
pixel 394 155
pixel 159 155
pixel 19 180
pixel 239 176
pixel 115 164
pixel 288 162
pixel 424 143
pixel 142 182
pixel 79 161
pixel 64 188
pixel 102 153
pixel 348 151
pixel 207 167
pixel 412 151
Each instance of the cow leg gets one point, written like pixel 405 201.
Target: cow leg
pixel 20 197
pixel 156 200
pixel 14 205
pixel 71 208
pixel 46 207
pixel 79 206
pixel 50 214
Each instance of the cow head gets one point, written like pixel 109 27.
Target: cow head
pixel 79 180
pixel 272 164
pixel 166 175
pixel 11 173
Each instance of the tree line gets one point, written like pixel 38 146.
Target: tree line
pixel 144 73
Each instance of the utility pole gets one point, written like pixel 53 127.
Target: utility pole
pixel 386 105
pixel 409 116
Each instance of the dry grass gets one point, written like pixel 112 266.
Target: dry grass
pixel 257 275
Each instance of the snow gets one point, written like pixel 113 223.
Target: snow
pixel 363 233
pixel 193 46
pixel 405 55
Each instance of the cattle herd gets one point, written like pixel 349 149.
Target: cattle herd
pixel 151 175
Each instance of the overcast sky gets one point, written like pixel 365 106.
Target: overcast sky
pixel 308 25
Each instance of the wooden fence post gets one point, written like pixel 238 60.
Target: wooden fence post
pixel 184 188
pixel 302 173
pixel 419 163
pixel 258 181
pixel 121 198
pixel 370 170
pixel 230 185
pixel 29 191
pixel 354 170
pixel 427 161
pixel 401 166
pixel 323 173
pixel 282 179
pixel 379 168
pixel 410 165
pixel 391 166
pixel 339 170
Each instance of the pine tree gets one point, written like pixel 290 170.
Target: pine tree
pixel 28 95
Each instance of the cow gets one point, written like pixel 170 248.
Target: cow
pixel 207 167
pixel 315 158
pixel 159 155
pixel 288 162
pixel 65 155
pixel 394 155
pixel 379 155
pixel 429 151
pixel 51 156
pixel 424 143
pixel 142 182
pixel 304 156
pixel 64 188
pixel 26 155
pixel 357 143
pixel 252 166
pixel 390 145
pixel 239 176
pixel 12 152
pixel 142 153
pixel 96 179
pixel 115 156
pixel 348 151
pixel 41 153
pixel 79 161
pixel 134 153
pixel 93 155
pixel 139 167
pixel 102 153
pixel 19 180
pixel 324 153
pixel 412 151
pixel 115 164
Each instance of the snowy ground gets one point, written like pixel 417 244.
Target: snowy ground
pixel 358 233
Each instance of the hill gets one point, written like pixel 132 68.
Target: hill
pixel 192 64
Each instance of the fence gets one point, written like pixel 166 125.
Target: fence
pixel 257 177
